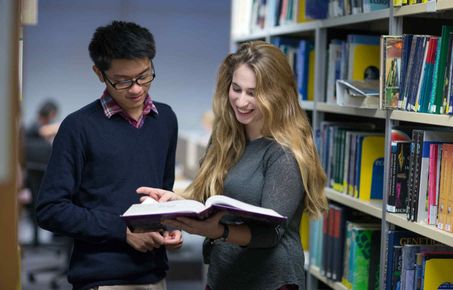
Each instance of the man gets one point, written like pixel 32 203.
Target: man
pixel 101 155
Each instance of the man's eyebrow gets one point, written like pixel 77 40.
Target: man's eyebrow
pixel 128 76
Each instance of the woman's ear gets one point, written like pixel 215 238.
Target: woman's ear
pixel 98 72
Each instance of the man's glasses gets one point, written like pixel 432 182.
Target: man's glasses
pixel 127 84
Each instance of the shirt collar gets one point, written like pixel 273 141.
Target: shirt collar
pixel 111 107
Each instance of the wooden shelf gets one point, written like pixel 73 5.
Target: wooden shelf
pixel 411 9
pixel 373 207
pixel 423 118
pixel 334 108
pixel 422 229
pixel 430 7
pixel 332 284
pixel 356 18
pixel 444 5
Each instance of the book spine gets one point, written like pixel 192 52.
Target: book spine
pixel 432 184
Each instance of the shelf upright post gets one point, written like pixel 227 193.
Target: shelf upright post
pixel 395 28
pixel 320 74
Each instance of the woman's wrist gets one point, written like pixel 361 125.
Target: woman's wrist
pixel 224 231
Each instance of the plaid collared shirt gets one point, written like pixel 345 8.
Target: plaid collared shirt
pixel 111 108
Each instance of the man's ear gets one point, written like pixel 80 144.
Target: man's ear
pixel 98 72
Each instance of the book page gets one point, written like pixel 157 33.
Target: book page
pixel 165 208
pixel 223 200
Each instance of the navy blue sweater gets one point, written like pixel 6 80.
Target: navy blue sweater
pixel 95 167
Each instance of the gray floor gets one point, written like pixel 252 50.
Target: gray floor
pixel 186 269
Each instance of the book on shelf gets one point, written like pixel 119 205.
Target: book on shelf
pixel 363 57
pixel 305 69
pixel 372 167
pixel 399 176
pixel 437 273
pixel 364 256
pixel 448 200
pixel 373 5
pixel 444 185
pixel 358 93
pixel 436 100
pixel 410 249
pixel 333 69
pixel 147 217
pixel 429 137
pixel 391 52
pixel 395 241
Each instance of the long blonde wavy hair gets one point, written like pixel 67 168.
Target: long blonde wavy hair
pixel 284 121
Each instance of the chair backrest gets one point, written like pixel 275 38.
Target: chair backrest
pixel 37 153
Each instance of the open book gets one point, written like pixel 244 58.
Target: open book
pixel 146 217
pixel 358 93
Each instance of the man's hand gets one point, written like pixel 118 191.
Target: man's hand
pixel 173 239
pixel 158 194
pixel 145 242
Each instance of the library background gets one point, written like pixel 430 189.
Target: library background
pixel 375 78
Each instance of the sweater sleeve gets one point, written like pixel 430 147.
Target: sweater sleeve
pixel 283 192
pixel 56 209
pixel 169 174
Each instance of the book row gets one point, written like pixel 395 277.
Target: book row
pixel 416 72
pixel 352 155
pixel 345 246
pixel 252 16
pixel 420 177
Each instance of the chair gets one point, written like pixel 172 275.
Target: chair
pixel 37 153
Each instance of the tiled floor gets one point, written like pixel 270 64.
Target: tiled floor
pixel 186 269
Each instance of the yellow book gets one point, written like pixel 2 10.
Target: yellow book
pixel 437 272
pixel 304 231
pixel 372 167
pixel 301 16
pixel 362 57
pixel 397 3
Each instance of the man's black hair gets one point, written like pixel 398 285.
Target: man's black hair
pixel 120 40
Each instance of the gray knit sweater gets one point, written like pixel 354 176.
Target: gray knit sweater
pixel 266 175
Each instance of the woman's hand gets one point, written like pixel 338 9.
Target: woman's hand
pixel 158 194
pixel 210 228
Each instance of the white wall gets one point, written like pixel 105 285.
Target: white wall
pixel 192 38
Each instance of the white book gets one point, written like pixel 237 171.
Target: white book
pixel 146 216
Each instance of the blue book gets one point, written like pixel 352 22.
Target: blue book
pixel 373 5
pixel 281 41
pixel 394 238
pixel 302 67
pixel 316 9
pixel 407 41
pixel 416 72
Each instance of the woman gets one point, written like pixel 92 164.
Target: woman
pixel 261 152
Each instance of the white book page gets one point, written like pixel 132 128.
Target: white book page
pixel 225 200
pixel 165 207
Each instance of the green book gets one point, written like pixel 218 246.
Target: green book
pixel 436 99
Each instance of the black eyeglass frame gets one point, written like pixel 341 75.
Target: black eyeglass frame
pixel 132 81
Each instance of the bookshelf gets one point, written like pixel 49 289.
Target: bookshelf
pixel 420 228
pixel 390 21
pixel 333 108
pixel 313 270
pixel 373 207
